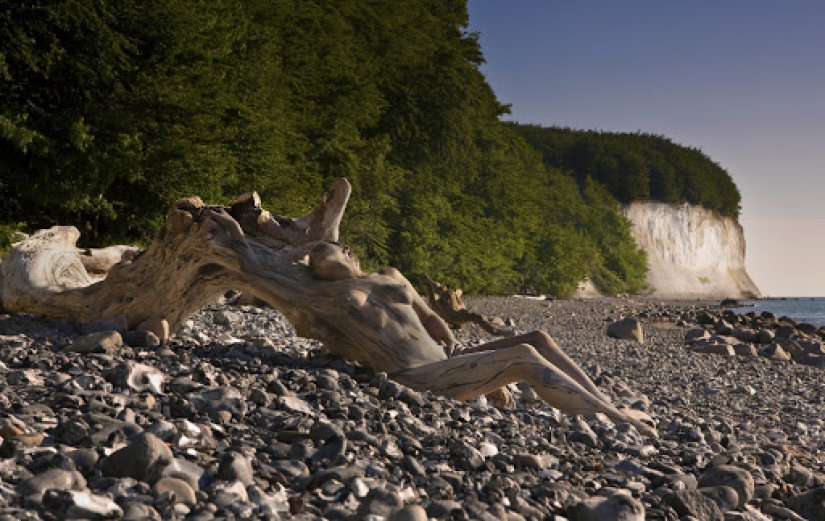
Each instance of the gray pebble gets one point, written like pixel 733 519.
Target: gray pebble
pixel 55 478
pixel 236 467
pixel 101 342
pixel 70 504
pixel 409 513
pixel 181 490
pixel 139 458
pixel 736 478
pixel 619 506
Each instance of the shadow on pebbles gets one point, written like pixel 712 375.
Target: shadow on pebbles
pixel 237 418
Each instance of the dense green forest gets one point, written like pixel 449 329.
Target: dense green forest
pixel 113 109
pixel 637 166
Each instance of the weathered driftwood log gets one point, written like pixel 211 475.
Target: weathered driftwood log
pixel 201 253
pixel 98 262
pixel 449 306
pixel 296 266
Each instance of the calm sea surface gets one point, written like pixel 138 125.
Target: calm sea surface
pixel 802 309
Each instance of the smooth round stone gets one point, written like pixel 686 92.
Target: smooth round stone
pixel 84 458
pixel 221 403
pixel 136 511
pixel 236 467
pixel 201 515
pixel 165 430
pixel 81 505
pixel 409 513
pixel 694 504
pixel 291 468
pixel 725 497
pixel 268 504
pixel 28 440
pixel 227 493
pixel 619 506
pixel 381 502
pixel 137 459
pixel 809 504
pixel 157 326
pixel 72 431
pixel 413 466
pixel 141 339
pixel 181 509
pixel 138 377
pixel 737 478
pixel 53 478
pixel 228 318
pixel 182 491
pixel 185 470
pixel 529 461
pixel 446 509
pixel 259 397
pixel 328 382
pixel 102 342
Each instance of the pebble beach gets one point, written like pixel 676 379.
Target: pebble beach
pixel 238 418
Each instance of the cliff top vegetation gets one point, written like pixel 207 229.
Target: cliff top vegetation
pixel 637 166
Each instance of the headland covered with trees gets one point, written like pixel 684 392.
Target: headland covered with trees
pixel 112 110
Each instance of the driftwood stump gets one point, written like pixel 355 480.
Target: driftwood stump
pixel 449 306
pixel 296 266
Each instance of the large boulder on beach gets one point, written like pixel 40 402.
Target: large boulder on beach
pixel 628 328
pixel 736 478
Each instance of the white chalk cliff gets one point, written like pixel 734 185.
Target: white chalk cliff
pixel 691 252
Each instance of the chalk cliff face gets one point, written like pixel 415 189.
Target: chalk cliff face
pixel 691 252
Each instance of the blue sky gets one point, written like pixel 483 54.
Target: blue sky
pixel 742 80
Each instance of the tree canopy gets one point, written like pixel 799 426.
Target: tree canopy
pixel 113 110
pixel 637 166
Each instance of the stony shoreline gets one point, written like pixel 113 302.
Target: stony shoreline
pixel 237 418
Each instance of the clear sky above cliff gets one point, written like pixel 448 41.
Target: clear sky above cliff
pixel 742 80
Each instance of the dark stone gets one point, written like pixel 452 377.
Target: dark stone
pixel 138 459
pixel 694 503
pixel 628 328
pixel 737 478
pixel 381 502
pixel 810 504
pixel 726 498
pixel 54 478
pixel 236 467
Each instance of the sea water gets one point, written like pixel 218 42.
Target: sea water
pixel 801 309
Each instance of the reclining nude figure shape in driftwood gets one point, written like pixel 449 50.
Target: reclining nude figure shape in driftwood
pixel 295 265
